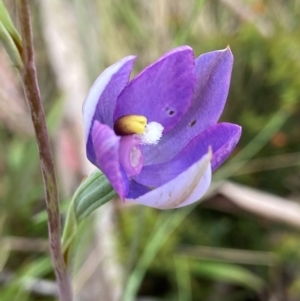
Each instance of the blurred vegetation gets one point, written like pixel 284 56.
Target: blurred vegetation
pixel 264 37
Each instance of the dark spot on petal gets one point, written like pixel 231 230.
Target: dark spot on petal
pixel 192 123
pixel 170 111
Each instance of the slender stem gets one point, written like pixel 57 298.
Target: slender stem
pixel 32 93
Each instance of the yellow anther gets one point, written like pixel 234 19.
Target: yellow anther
pixel 130 124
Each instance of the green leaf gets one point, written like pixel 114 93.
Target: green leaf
pixel 10 46
pixel 230 273
pixel 183 276
pixel 10 36
pixel 93 192
pixel 70 231
pixel 8 24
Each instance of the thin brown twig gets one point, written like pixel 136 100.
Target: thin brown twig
pixel 32 93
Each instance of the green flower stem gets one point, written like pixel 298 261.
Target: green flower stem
pixel 46 159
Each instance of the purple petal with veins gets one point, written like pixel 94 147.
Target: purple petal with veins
pixel 162 92
pixel 213 71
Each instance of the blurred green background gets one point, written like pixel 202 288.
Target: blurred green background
pixel 230 247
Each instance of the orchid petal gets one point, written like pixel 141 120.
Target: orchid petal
pixel 163 91
pixel 222 152
pixel 101 100
pixel 136 190
pixel 213 71
pixel 222 138
pixel 186 188
pixel 106 146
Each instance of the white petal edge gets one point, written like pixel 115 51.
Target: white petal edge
pixel 187 188
pixel 91 101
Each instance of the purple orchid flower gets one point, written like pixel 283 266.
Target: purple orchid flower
pixel 156 137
